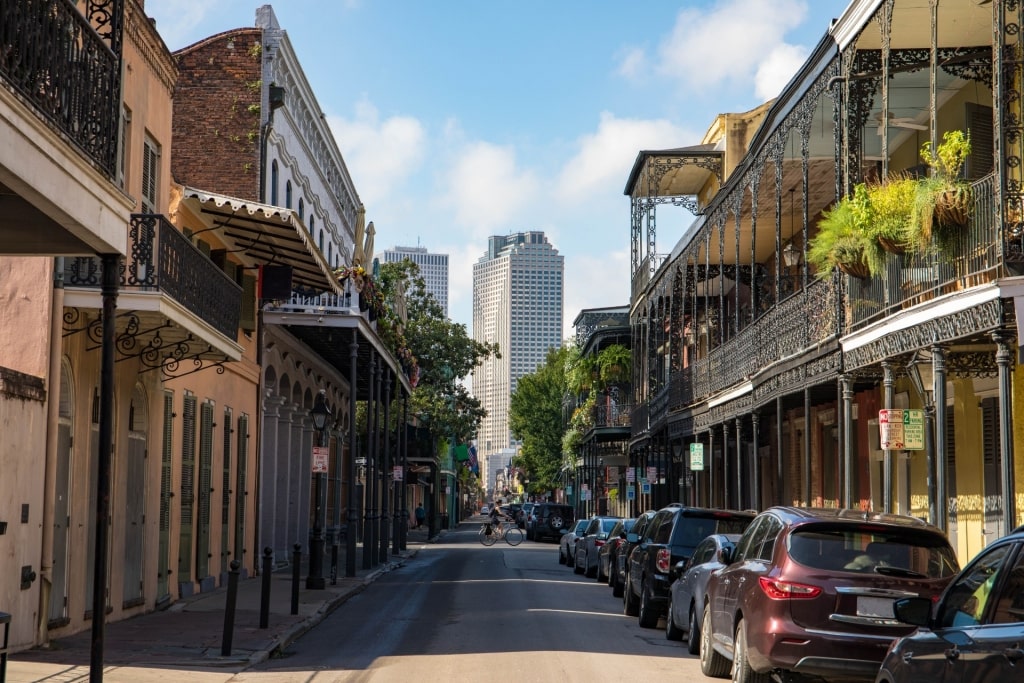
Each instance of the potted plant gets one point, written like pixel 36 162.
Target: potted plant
pixel 840 241
pixel 614 363
pixel 888 210
pixel 944 199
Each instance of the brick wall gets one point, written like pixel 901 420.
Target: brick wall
pixel 216 142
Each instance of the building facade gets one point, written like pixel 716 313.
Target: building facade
pixel 433 269
pixel 517 304
pixel 783 372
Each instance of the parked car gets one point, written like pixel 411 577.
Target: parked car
pixel 607 557
pixel 976 632
pixel 633 536
pixel 670 538
pixel 567 543
pixel 485 510
pixel 590 542
pixel 522 513
pixel 548 519
pixel 512 510
pixel 686 594
pixel 810 592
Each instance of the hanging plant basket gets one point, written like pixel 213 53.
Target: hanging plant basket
pixel 952 208
pixel 858 270
pixel 890 245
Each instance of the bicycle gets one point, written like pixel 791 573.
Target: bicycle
pixel 512 534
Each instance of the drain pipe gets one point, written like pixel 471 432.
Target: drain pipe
pixel 50 468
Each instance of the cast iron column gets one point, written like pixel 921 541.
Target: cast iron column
pixel 939 372
pixel 888 471
pixel 369 548
pixel 1004 361
pixel 755 490
pixel 351 523
pixel 847 426
pixel 386 476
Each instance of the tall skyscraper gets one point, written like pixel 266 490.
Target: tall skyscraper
pixel 517 303
pixel 433 268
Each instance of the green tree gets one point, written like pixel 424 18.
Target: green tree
pixel 535 418
pixel 442 351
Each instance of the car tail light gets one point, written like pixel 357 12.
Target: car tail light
pixel 663 560
pixel 786 590
pixel 598 543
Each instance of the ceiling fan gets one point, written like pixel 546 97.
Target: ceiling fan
pixel 898 122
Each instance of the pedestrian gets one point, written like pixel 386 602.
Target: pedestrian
pixel 421 515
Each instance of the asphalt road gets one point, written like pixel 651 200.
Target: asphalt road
pixel 463 612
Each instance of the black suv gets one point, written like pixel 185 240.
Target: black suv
pixel 548 520
pixel 668 539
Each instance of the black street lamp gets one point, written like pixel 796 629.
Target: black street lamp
pixel 321 415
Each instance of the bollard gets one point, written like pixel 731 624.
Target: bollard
pixel 229 609
pixel 296 571
pixel 268 563
pixel 5 621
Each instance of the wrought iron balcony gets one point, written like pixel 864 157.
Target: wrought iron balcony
pixel 57 62
pixel 610 412
pixel 162 260
pixel 979 255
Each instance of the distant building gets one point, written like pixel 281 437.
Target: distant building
pixel 517 303
pixel 433 268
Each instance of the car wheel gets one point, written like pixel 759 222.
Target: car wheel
pixel 588 571
pixel 556 522
pixel 672 632
pixel 601 576
pixel 576 568
pixel 712 663
pixel 629 602
pixel 693 635
pixel 648 614
pixel 561 556
pixel 741 671
pixel 616 585
pixel 611 571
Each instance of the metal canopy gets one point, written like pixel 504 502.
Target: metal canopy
pixel 264 235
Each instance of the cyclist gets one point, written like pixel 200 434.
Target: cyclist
pixel 494 521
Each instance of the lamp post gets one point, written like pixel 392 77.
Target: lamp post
pixel 920 370
pixel 321 415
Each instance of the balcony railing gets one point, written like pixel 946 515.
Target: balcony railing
pixel 161 259
pixel 975 258
pixel 611 413
pixel 54 59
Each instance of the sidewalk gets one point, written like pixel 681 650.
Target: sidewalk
pixel 188 635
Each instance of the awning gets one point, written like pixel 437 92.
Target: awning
pixel 264 235
pixel 684 171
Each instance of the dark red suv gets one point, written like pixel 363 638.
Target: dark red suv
pixel 810 592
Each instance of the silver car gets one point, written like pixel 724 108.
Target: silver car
pixel 567 543
pixel 585 558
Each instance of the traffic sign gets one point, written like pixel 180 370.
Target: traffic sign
pixel 697 457
pixel 320 455
pixel 901 429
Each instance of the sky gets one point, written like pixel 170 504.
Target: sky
pixel 462 119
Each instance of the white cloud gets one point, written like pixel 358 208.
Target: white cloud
pixel 594 281
pixel 379 153
pixel 485 188
pixel 727 43
pixel 605 157
pixel 632 63
pixel 777 69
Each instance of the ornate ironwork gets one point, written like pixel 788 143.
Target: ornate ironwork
pixel 54 58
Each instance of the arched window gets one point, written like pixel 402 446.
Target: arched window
pixel 330 251
pixel 312 222
pixel 288 195
pixel 321 240
pixel 273 182
pixel 302 211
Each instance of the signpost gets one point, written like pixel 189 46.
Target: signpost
pixel 901 429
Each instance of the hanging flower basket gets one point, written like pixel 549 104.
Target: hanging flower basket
pixel 858 270
pixel 952 207
pixel 890 245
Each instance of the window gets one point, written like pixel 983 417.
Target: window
pixel 150 172
pixel 273 182
pixel 302 211
pixel 965 602
pixel 288 195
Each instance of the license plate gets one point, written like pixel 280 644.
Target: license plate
pixel 874 607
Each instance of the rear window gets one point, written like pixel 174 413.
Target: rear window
pixel 691 529
pixel 899 552
pixel 607 524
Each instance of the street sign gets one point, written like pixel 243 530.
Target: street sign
pixel 645 486
pixel 630 492
pixel 397 473
pixel 697 457
pixel 320 455
pixel 630 474
pixel 901 429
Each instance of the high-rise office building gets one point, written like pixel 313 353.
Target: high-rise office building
pixel 517 303
pixel 433 268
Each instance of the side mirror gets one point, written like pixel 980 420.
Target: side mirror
pixel 726 555
pixel 681 566
pixel 916 611
pixel 632 538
